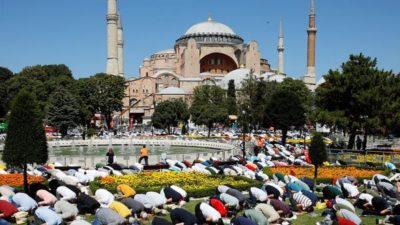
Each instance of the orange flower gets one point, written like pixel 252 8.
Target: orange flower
pixel 17 179
pixel 325 172
pixel 107 180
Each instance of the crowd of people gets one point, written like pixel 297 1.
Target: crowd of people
pixel 66 198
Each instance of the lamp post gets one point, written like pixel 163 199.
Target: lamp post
pixel 243 135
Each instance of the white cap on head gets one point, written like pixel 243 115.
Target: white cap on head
pixel 143 215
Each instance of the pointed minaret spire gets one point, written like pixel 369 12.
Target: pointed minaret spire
pixel 280 50
pixel 312 8
pixel 120 48
pixel 310 78
pixel 112 38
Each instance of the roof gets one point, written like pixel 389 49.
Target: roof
pixel 166 51
pixel 237 76
pixel 276 77
pixel 172 91
pixel 320 81
pixel 210 27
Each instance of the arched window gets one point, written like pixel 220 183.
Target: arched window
pixel 217 63
pixel 165 81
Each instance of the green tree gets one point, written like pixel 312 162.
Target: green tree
pixel 357 98
pixel 254 97
pixel 231 104
pixel 168 114
pixel 45 72
pixel 5 75
pixel 41 80
pixel 285 110
pixel 63 112
pixel 108 92
pixel 317 153
pixel 86 99
pixel 26 140
pixel 208 106
pixel 300 89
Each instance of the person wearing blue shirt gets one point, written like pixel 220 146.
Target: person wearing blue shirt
pixel 48 216
pixel 24 202
pixel 241 220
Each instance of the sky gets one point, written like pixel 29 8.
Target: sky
pixel 73 32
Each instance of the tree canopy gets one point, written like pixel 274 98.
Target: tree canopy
pixel 285 110
pixel 5 75
pixel 254 96
pixel 208 106
pixel 108 92
pixel 169 114
pixel 63 112
pixel 26 140
pixel 358 98
pixel 317 152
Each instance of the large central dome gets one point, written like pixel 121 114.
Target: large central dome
pixel 210 32
pixel 210 27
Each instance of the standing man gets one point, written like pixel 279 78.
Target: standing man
pixel 110 156
pixel 144 155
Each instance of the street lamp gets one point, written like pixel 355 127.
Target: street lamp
pixel 243 135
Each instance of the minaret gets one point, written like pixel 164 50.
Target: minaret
pixel 120 48
pixel 310 78
pixel 280 50
pixel 112 37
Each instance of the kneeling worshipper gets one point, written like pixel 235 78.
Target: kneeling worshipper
pixel 46 198
pixel 44 215
pixel 206 214
pixel 66 210
pixel 125 191
pixel 182 216
pixel 107 216
pixel 104 197
pixel 24 202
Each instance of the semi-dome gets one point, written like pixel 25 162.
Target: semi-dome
pixel 237 76
pixel 165 51
pixel 210 27
pixel 271 76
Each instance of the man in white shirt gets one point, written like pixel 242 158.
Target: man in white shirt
pixel 223 188
pixel 351 189
pixel 104 197
pixel 206 213
pixel 145 200
pixel 71 180
pixel 179 190
pixel 66 194
pixel 83 178
pixel 6 191
pixel 157 199
pixel 258 195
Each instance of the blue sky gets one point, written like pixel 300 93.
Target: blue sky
pixel 73 32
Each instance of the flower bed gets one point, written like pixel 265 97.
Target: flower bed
pixel 196 184
pixel 17 179
pixel 324 172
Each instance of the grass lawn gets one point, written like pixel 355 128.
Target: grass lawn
pixel 306 219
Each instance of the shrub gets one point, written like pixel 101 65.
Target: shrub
pixel 195 184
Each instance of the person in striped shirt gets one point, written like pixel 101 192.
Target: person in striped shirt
pixel 300 202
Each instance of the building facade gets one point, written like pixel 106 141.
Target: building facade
pixel 209 52
pixel 206 53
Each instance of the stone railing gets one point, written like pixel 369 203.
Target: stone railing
pixel 131 142
pixel 211 149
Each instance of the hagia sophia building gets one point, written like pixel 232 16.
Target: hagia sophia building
pixel 209 52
